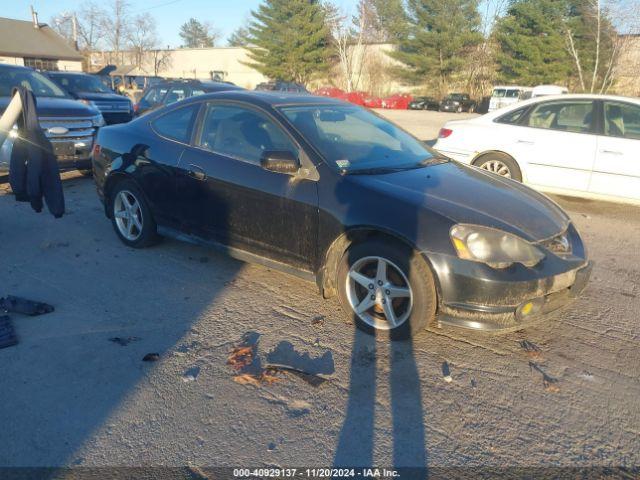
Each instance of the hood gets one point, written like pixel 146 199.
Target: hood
pixel 57 107
pixel 104 97
pixel 470 195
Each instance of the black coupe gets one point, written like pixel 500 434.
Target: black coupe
pixel 336 194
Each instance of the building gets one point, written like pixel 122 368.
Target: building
pixel 36 45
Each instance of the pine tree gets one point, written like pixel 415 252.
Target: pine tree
pixel 197 34
pixel 439 36
pixel 532 43
pixel 289 40
pixel 239 38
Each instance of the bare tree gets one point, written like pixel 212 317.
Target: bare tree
pixel 89 26
pixel 161 60
pixel 142 37
pixel 116 24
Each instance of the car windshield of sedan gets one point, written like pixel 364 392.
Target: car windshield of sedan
pixel 354 140
pixel 82 83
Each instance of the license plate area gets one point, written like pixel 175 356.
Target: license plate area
pixel 64 149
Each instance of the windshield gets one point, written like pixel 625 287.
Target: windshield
pixel 81 83
pixel 37 83
pixel 455 96
pixel 506 93
pixel 354 140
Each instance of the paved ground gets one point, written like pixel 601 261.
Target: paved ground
pixel 75 391
pixel 424 125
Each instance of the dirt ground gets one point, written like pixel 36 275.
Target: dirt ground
pixel 76 390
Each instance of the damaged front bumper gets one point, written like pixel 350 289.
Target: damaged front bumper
pixel 477 297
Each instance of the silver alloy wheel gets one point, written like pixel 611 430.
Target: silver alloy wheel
pixel 379 293
pixel 128 215
pixel 497 167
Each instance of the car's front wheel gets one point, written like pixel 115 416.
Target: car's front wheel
pixel 131 216
pixel 387 286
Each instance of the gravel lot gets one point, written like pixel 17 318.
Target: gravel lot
pixel 75 391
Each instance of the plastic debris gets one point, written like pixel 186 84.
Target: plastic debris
pixel 123 341
pixel 446 372
pixel 26 307
pixel 151 357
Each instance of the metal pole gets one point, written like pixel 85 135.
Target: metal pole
pixel 10 117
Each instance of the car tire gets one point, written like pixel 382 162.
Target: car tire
pixel 459 109
pixel 403 266
pixel 131 217
pixel 472 109
pixel 496 162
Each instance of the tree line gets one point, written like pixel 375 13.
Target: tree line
pixel 436 43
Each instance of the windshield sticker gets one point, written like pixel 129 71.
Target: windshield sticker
pixel 343 163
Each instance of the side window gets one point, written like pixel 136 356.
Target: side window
pixel 564 116
pixel 175 95
pixel 154 95
pixel 197 91
pixel 178 123
pixel 622 120
pixel 242 133
pixel 512 118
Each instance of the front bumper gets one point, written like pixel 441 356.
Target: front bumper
pixel 449 108
pixel 475 296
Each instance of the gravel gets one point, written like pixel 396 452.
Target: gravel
pixel 564 392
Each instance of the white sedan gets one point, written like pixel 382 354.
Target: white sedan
pixel 582 145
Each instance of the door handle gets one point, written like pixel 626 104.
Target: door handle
pixel 611 152
pixel 197 172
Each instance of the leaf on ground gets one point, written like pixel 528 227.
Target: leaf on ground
pixel 241 357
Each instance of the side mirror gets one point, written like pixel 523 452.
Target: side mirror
pixel 280 161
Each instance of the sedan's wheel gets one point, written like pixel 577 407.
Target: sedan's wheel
pixel 386 286
pixel 459 109
pixel 131 216
pixel 500 164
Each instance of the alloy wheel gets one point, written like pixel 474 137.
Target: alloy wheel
pixel 128 215
pixel 379 293
pixel 497 167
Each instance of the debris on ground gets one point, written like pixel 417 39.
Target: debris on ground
pixel 549 383
pixel 124 341
pixel 7 333
pixel 151 357
pixel 286 357
pixel 317 321
pixel 532 350
pixel 26 307
pixel 246 363
pixel 446 372
pixel 191 374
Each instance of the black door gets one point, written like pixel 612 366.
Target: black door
pixel 239 203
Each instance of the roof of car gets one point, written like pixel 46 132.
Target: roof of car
pixel 271 99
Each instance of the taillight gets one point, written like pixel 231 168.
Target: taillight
pixel 135 108
pixel 445 132
pixel 96 150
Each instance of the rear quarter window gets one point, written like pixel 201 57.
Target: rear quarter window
pixel 177 124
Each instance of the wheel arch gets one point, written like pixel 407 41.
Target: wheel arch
pixel 326 278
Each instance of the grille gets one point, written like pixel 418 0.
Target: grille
pixel 107 107
pixel 77 128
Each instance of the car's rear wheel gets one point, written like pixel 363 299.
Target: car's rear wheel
pixel 500 164
pixel 459 109
pixel 131 216
pixel 387 286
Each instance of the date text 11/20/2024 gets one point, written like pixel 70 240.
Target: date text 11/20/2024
pixel 315 473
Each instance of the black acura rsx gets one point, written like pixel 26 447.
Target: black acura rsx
pixel 334 193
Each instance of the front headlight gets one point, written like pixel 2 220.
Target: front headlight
pixel 98 120
pixel 496 248
pixel 88 103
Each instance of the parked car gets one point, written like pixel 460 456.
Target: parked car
pixel 584 145
pixel 399 101
pixel 424 103
pixel 335 193
pixel 504 96
pixel 171 91
pixel 280 86
pixel 91 91
pixel 458 102
pixel 70 125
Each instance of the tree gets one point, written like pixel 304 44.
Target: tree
pixel 240 37
pixel 440 35
pixel 115 25
pixel 393 21
pixel 197 34
pixel 142 37
pixel 532 43
pixel 289 39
